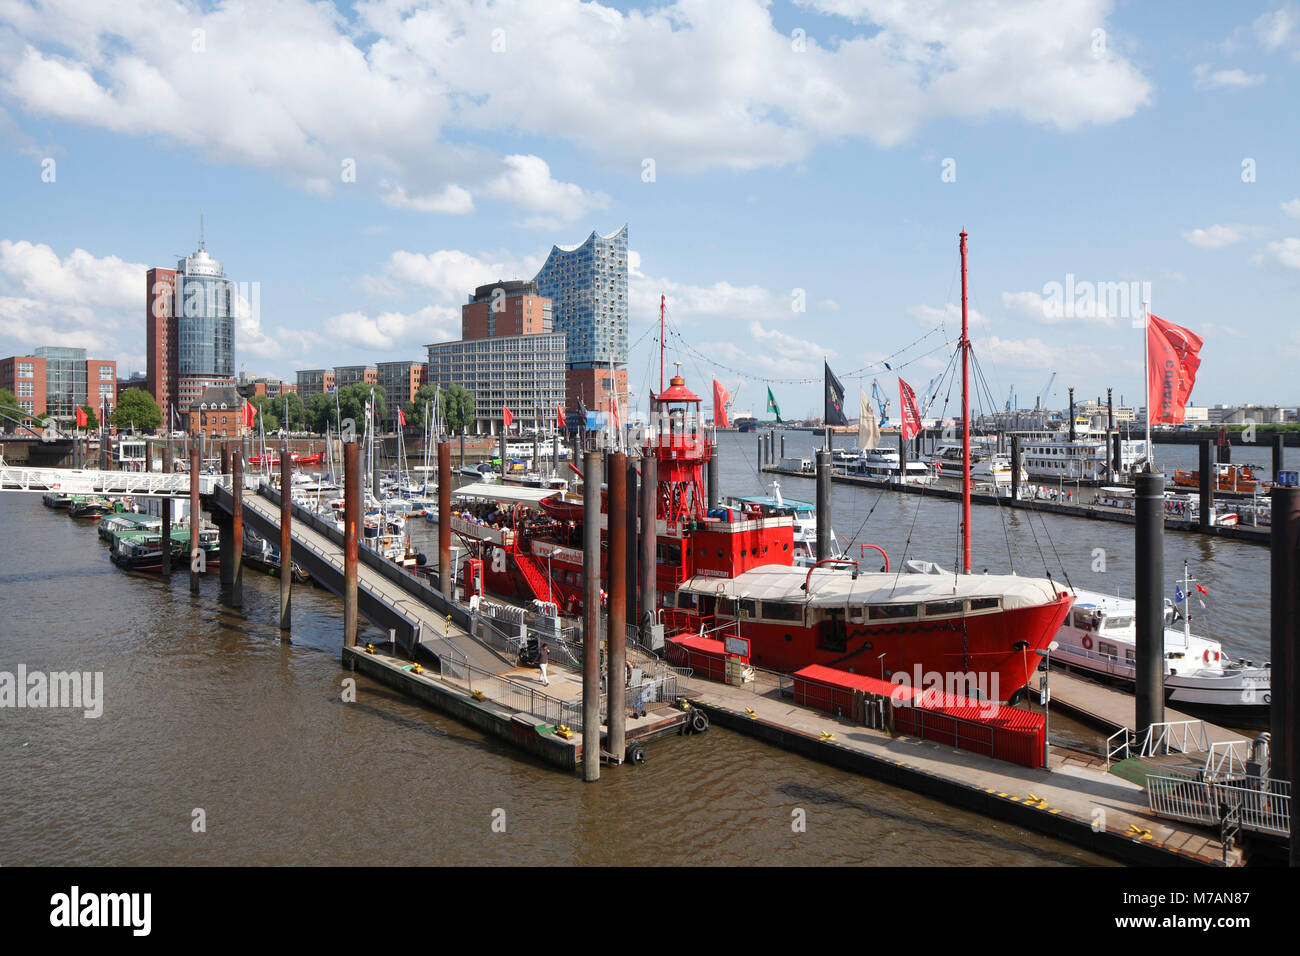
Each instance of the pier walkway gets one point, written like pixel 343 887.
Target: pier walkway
pixel 1076 799
pixel 92 481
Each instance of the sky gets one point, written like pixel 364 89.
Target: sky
pixel 794 177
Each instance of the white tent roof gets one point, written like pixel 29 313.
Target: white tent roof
pixel 510 493
pixel 836 587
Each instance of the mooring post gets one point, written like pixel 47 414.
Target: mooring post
pixel 351 531
pixel 148 457
pixel 1225 451
pixel 1206 477
pixel 195 456
pixel 649 543
pixel 783 445
pixel 1015 467
pixel 760 453
pixel 555 453
pixel 462 447
pixel 374 470
pixel 591 616
pixel 823 504
pixel 1284 630
pixel 1279 452
pixel 537 453
pixel 502 441
pixel 286 536
pixel 902 458
pixel 445 583
pixel 1116 459
pixel 617 620
pixel 227 540
pixel 237 526
pixel 633 506
pixel 1149 576
pixel 167 513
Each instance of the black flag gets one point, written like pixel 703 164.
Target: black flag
pixel 834 400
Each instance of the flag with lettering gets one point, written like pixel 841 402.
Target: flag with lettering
pixel 720 398
pixel 910 425
pixel 1172 360
pixel 834 400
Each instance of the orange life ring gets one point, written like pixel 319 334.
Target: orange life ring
pixel 1206 655
pixel 1087 642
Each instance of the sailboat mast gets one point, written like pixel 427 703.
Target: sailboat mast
pixel 965 418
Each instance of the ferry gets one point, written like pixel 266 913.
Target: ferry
pixel 142 550
pixel 1083 459
pixel 1099 639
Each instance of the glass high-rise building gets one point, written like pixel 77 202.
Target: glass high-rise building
pixel 587 286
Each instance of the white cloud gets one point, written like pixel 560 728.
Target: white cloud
pixel 1285 252
pixel 1278 28
pixel 1292 208
pixel 300 89
pixel 1090 303
pixel 948 316
pixel 78 278
pixel 450 273
pixel 1210 79
pixel 770 352
pixel 1216 237
pixel 1032 353
pixel 394 330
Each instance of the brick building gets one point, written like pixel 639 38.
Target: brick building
pixel 400 381
pixel 219 413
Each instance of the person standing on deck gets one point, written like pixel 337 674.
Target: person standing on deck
pixel 543 658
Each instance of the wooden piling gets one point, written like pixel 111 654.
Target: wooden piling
pixel 237 526
pixel 195 457
pixel 445 583
pixel 351 532
pixel 1149 575
pixel 286 536
pixel 617 616
pixel 591 616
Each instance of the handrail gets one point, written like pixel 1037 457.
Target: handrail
pixel 808 576
pixel 1111 752
pixel 862 553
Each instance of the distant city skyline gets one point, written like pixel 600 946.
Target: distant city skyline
pixel 794 177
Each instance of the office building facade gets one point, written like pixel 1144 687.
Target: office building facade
pixel 58 381
pixel 315 381
pixel 400 381
pixel 355 375
pixel 524 373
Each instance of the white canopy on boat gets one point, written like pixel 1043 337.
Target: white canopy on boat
pixel 837 587
pixel 505 493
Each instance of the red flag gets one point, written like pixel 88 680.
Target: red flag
pixel 401 418
pixel 1202 589
pixel 508 418
pixel 559 416
pixel 1172 361
pixel 911 423
pixel 82 420
pixel 250 414
pixel 720 398
pixel 613 413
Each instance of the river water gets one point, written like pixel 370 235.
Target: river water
pixel 221 744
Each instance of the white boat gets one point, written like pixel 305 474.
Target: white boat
pixel 883 464
pixel 1099 638
pixel 988 465
pixel 802 513
pixel 1084 459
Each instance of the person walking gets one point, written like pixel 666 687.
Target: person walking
pixel 544 658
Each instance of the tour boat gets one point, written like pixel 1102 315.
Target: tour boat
pixel 142 550
pixel 1100 639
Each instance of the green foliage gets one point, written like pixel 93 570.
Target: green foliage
pixel 352 403
pixel 425 396
pixel 457 409
pixel 9 402
pixel 320 413
pixel 137 406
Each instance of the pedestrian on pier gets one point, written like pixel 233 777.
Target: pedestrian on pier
pixel 544 658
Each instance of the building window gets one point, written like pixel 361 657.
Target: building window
pixel 25 389
pixel 106 373
pixel 25 370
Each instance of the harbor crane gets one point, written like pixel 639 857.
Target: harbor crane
pixel 1042 398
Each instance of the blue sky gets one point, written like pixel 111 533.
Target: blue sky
pixel 1099 141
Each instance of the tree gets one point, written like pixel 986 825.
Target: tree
pixel 352 403
pixel 320 413
pixel 425 397
pixel 457 409
pixel 9 403
pixel 137 407
pixel 267 408
pixel 92 420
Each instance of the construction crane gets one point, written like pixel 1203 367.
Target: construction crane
pixel 931 393
pixel 1011 399
pixel 881 401
pixel 1042 398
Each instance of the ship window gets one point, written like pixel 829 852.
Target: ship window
pixel 747 609
pixel 943 608
pixel 1118 623
pixel 1107 650
pixel 983 604
pixel 887 611
pixel 1083 619
pixel 1128 655
pixel 775 611
pixel 726 606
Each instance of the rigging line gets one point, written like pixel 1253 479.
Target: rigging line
pixel 907 545
pixel 853 540
pixel 997 497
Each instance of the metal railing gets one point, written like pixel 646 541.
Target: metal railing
pixel 513 694
pixel 1182 736
pixel 1224 759
pixel 1115 748
pixel 1260 804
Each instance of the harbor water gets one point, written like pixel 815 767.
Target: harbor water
pixel 221 744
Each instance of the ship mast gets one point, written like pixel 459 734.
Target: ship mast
pixel 965 418
pixel 662 299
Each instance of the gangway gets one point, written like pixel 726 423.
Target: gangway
pixel 92 481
